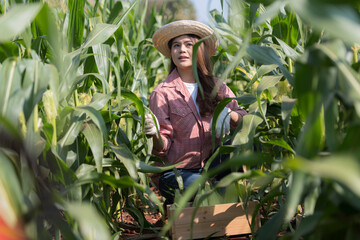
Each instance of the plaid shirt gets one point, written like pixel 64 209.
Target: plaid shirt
pixel 186 136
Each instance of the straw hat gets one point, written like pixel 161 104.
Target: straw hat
pixel 169 31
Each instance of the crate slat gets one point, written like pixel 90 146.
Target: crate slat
pixel 222 219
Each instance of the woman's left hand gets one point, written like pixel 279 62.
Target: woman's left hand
pixel 223 123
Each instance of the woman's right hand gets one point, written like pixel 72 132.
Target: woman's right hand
pixel 150 127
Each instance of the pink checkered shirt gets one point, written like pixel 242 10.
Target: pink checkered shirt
pixel 186 136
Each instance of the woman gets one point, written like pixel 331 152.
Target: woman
pixel 183 116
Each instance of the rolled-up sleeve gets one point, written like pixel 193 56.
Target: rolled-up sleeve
pixel 159 106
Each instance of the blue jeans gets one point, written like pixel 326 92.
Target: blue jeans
pixel 168 182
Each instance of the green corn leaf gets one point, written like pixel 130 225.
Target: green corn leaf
pixel 115 12
pixel 129 159
pixel 138 103
pixel 85 169
pixel 96 143
pixel 310 97
pixel 232 193
pixel 331 114
pixel 238 56
pixel 290 52
pixel 311 138
pixel 281 143
pixel 120 18
pixel 267 82
pixel 273 194
pixel 268 56
pixel 68 83
pixel 140 165
pixel 340 20
pixel 350 78
pixel 194 55
pixel 76 23
pixel 253 12
pixel 264 69
pixel 145 168
pixel 10 80
pixel 102 55
pixel 270 229
pixel 12 198
pixel 109 116
pixel 27 37
pixel 88 175
pixel 142 9
pixel 236 176
pixel 103 31
pixel 216 115
pixel 90 223
pixel 311 199
pixel 24 82
pixel 351 139
pixel 59 168
pixel 71 132
pixel 15 21
pixel 307 225
pixel 246 99
pixel 140 84
pixel 287 106
pixel 226 32
pixel 245 136
pixel 105 83
pixel 154 198
pixel 29 87
pixel 344 169
pixel 96 117
pixel 137 215
pixel 296 191
pixel 99 34
pixel 99 100
pixel 46 22
pixel 8 49
pixel 270 13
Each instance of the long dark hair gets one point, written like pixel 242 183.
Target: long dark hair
pixel 207 104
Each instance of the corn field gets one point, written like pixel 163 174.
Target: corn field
pixel 75 80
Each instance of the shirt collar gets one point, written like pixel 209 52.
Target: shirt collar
pixel 173 79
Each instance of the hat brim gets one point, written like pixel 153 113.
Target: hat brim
pixel 169 31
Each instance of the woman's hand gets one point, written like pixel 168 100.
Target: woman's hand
pixel 151 130
pixel 150 127
pixel 223 123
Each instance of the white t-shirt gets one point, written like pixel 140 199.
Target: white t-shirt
pixel 193 90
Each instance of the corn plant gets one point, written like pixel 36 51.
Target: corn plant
pixel 75 89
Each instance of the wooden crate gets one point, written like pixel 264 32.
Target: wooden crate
pixel 219 220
